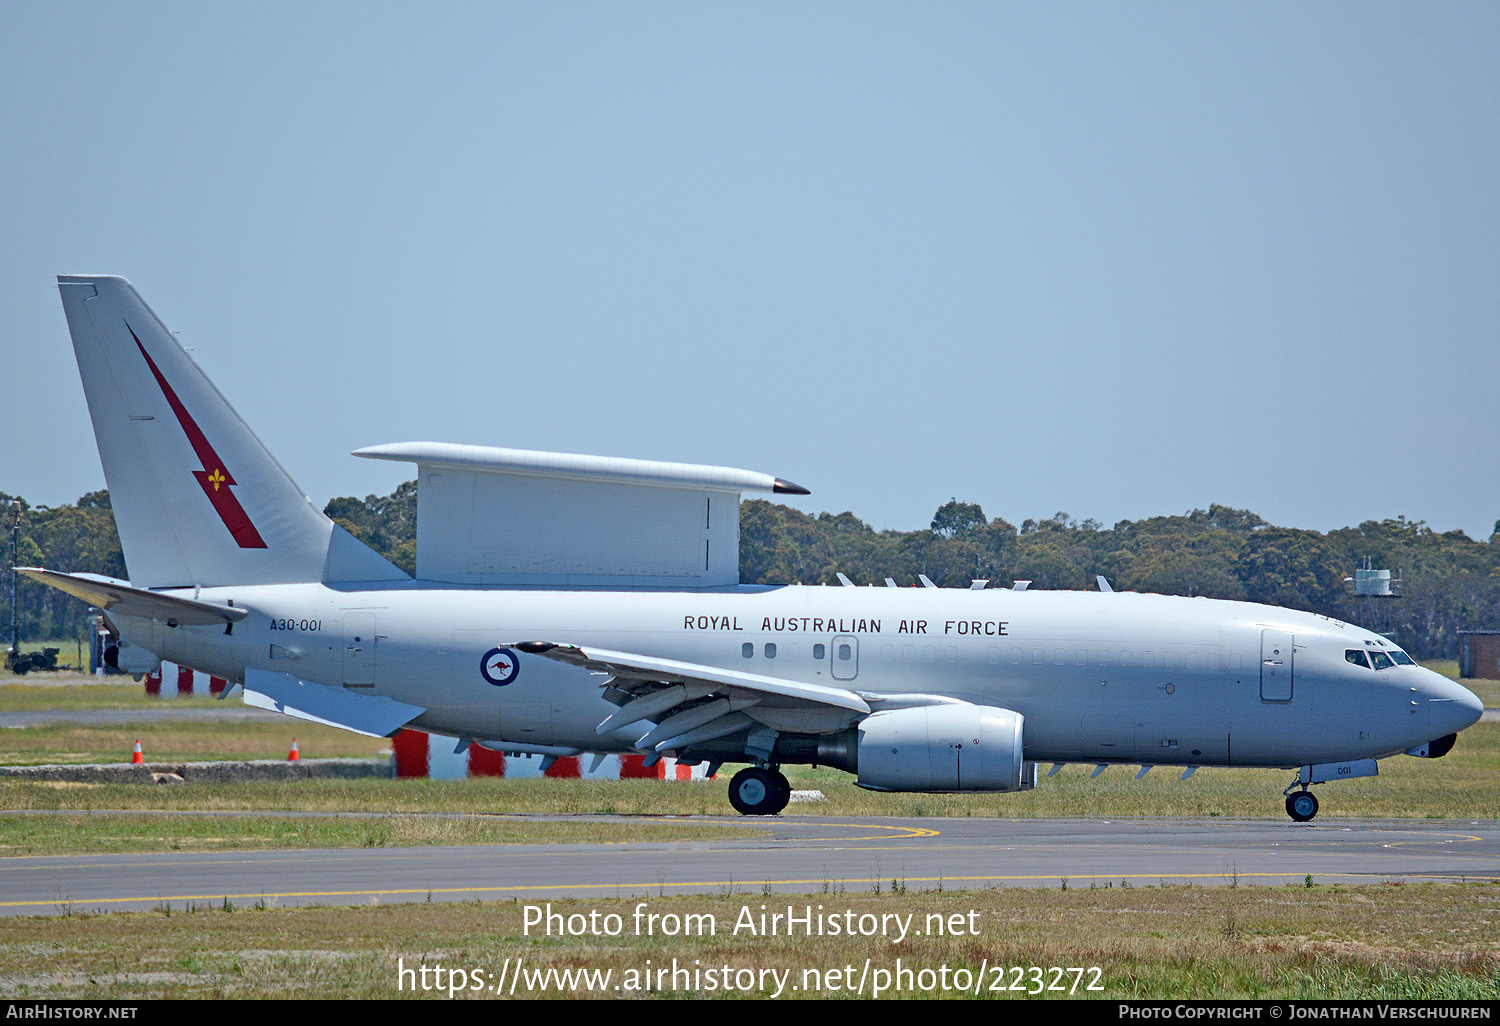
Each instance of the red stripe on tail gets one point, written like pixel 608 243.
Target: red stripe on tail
pixel 214 477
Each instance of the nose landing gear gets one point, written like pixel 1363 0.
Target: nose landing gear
pixel 1303 805
pixel 759 791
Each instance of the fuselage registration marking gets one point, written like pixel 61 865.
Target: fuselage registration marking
pixel 279 624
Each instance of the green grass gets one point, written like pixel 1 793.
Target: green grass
pixel 99 833
pixel 1487 690
pixel 69 692
pixel 1465 784
pixel 1409 942
pixel 1386 942
pixel 70 653
pixel 181 741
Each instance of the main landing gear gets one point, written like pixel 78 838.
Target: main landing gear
pixel 1302 806
pixel 759 791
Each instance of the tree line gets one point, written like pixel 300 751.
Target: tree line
pixel 1449 581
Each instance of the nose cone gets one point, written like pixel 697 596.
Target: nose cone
pixel 1451 706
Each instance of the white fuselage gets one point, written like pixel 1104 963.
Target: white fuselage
pixel 1099 677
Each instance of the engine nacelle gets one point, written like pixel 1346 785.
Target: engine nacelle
pixel 943 748
pixel 132 659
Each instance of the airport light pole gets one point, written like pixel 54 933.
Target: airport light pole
pixel 15 530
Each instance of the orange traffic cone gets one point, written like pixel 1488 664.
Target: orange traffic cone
pixel 135 757
pixel 292 756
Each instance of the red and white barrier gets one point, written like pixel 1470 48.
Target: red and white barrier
pixel 172 679
pixel 421 755
pixel 417 754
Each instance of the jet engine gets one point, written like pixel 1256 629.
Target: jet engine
pixel 943 748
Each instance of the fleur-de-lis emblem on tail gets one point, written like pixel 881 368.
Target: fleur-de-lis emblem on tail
pixel 216 478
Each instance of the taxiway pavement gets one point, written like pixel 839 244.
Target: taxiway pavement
pixel 802 854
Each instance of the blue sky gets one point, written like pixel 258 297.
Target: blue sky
pixel 1114 259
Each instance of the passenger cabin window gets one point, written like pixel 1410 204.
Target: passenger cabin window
pixel 1381 660
pixel 770 650
pixel 1356 657
pixel 747 650
pixel 818 651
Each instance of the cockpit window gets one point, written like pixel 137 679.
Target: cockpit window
pixel 1381 660
pixel 1356 657
pixel 1402 658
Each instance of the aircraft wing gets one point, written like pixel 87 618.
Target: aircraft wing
pixel 114 596
pixel 371 715
pixel 689 703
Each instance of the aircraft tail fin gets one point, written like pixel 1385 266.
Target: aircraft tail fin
pixel 197 498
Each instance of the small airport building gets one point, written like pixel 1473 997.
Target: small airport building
pixel 1479 654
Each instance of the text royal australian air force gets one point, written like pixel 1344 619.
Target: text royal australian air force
pixel 844 625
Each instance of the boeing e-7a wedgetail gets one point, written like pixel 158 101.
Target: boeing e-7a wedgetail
pixel 566 604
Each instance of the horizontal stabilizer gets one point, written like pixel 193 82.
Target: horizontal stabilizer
pixel 114 596
pixel 371 715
